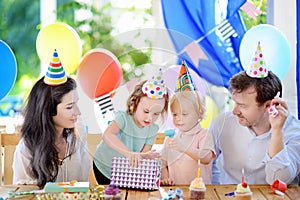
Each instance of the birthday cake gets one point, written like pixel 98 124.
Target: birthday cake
pixel 243 191
pixel 145 176
pixel 197 189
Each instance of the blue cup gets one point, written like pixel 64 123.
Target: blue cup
pixel 170 133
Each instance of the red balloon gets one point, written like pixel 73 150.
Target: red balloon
pixel 99 72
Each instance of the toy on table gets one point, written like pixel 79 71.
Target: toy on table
pixel 15 194
pixel 170 133
pixel 279 187
pixel 112 192
pixel 272 109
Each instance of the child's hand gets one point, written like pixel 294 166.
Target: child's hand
pixel 150 154
pixel 167 181
pixel 134 159
pixel 174 144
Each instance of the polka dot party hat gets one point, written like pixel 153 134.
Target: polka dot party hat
pixel 184 81
pixel 156 87
pixel 55 74
pixel 258 67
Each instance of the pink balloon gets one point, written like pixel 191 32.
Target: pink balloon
pixel 171 76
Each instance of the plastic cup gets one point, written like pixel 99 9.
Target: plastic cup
pixel 279 185
pixel 197 193
pixel 243 196
pixel 170 133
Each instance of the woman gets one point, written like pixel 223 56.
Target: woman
pixel 50 149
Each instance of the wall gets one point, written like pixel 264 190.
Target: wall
pixel 283 16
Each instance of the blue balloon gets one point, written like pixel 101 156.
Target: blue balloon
pixel 8 69
pixel 274 45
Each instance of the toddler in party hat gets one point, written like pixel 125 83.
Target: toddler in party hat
pixel 132 133
pixel 181 155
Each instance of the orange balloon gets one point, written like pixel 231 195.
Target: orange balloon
pixel 99 72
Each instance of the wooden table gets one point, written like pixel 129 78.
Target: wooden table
pixel 213 192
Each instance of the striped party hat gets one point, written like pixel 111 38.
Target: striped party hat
pixel 55 74
pixel 257 67
pixel 184 81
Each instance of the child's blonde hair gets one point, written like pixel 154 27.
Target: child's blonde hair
pixel 135 97
pixel 194 97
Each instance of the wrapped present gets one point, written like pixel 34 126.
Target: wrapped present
pixel 72 186
pixel 64 196
pixel 145 176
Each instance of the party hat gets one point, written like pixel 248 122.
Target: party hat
pixel 184 81
pixel 258 67
pixel 55 74
pixel 156 87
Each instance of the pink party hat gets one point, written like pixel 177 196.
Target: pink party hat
pixel 258 67
pixel 156 87
pixel 55 74
pixel 184 81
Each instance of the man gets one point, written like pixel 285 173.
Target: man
pixel 252 138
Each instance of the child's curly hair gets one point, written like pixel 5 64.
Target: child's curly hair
pixel 135 97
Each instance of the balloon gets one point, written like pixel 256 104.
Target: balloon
pixel 8 69
pixel 274 45
pixel 65 40
pixel 99 72
pixel 212 111
pixel 171 75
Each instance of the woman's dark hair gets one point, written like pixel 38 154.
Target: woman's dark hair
pixel 38 129
pixel 266 88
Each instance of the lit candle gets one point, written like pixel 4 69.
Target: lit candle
pixel 199 169
pixel 243 178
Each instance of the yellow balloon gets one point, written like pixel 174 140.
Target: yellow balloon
pixel 65 40
pixel 212 111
